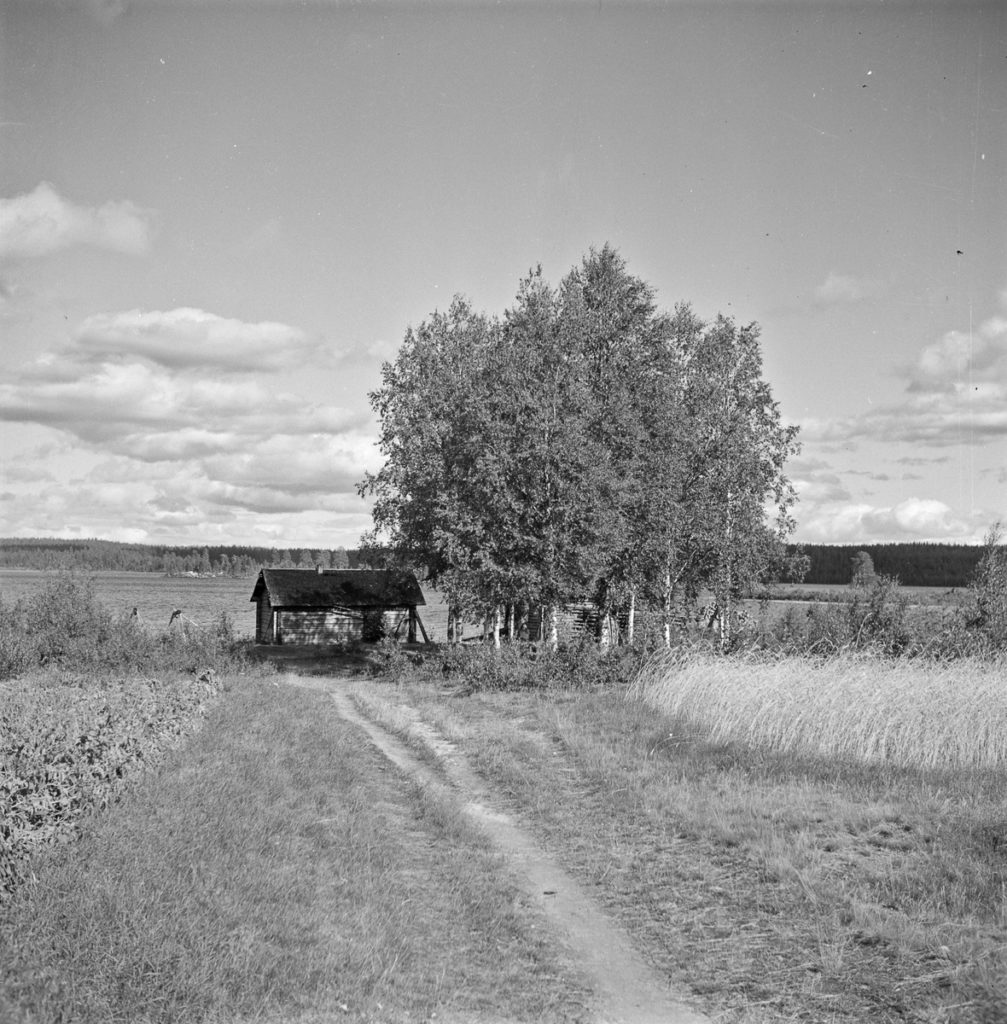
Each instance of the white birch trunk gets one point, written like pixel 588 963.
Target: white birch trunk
pixel 631 618
pixel 666 611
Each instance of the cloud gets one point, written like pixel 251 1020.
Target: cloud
pixel 41 222
pixel 843 289
pixel 870 474
pixel 963 360
pixel 912 519
pixel 815 482
pixel 106 11
pixel 955 393
pixel 151 414
pixel 191 437
pixel 194 339
pixel 917 460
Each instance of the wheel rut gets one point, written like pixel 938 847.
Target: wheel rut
pixel 627 990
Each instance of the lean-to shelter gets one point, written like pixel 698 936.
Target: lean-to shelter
pixel 335 606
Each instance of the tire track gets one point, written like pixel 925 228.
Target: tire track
pixel 628 991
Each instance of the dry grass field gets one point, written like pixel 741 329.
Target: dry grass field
pixel 913 713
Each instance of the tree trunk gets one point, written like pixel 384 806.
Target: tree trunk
pixel 631 618
pixel 452 625
pixel 666 607
pixel 725 615
pixel 496 627
pixel 725 599
pixel 553 626
pixel 604 628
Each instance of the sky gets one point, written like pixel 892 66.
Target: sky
pixel 217 219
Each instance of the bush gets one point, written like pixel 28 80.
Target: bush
pixel 988 590
pixel 513 666
pixel 65 627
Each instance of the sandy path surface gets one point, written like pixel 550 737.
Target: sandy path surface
pixel 627 990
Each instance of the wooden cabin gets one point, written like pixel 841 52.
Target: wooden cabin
pixel 335 606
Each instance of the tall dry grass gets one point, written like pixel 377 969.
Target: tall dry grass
pixel 914 713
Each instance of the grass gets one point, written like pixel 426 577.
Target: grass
pixel 775 886
pixel 915 713
pixel 274 868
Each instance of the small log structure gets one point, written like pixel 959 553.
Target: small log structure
pixel 336 606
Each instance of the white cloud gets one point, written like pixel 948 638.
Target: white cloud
pixel 153 415
pixel 189 438
pixel 956 393
pixel 912 519
pixel 843 288
pixel 41 222
pixel 962 360
pixel 192 338
pixel 815 481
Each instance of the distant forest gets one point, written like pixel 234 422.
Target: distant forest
pixel 208 560
pixel 915 565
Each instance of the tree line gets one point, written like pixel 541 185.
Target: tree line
pixel 94 555
pixel 585 446
pixel 915 564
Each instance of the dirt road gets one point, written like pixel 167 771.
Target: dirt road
pixel 627 990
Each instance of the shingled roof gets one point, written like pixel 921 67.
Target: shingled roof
pixel 346 588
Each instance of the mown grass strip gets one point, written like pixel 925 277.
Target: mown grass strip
pixel 276 868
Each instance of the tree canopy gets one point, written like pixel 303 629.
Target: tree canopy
pixel 584 446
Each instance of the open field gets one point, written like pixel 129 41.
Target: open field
pixel 156 596
pixel 204 600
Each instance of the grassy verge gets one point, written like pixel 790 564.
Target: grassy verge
pixel 276 869
pixel 775 886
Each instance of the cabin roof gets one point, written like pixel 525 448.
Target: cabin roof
pixel 347 588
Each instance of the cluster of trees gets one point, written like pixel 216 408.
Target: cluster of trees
pixel 913 564
pixel 111 556
pixel 584 446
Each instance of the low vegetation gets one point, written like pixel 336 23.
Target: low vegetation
pixel 68 746
pixel 771 885
pixel 808 825
pixel 274 870
pixel 65 628
pixel 913 713
pixel 86 702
